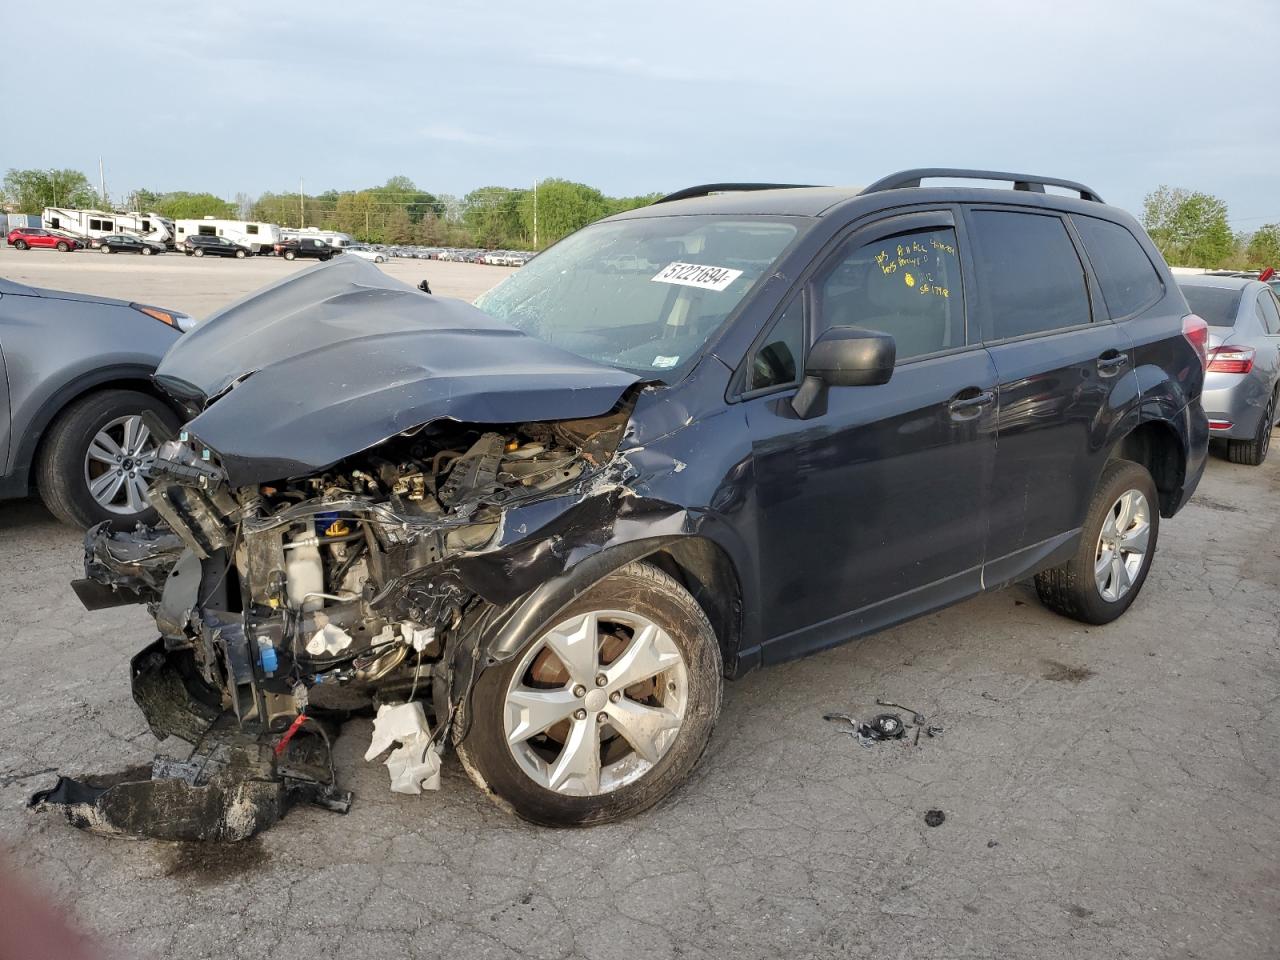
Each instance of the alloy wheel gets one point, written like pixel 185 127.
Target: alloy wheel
pixel 596 702
pixel 1122 545
pixel 114 462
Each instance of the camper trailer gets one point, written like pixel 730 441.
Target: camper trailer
pixel 88 224
pixel 332 237
pixel 258 237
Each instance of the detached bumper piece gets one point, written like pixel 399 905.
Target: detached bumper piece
pixel 232 784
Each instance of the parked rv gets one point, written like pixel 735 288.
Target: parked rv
pixel 255 236
pixel 88 224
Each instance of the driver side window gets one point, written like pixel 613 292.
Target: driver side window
pixel 907 286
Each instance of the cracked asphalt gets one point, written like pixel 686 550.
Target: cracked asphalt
pixel 1109 792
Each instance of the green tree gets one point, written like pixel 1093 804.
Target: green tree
pixel 1190 228
pixel 398 228
pixel 1263 249
pixel 180 205
pixel 562 207
pixel 355 213
pixel 493 216
pixel 144 200
pixel 33 190
pixel 402 191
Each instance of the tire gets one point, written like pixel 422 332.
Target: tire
pixel 198 252
pixel 63 247
pixel 104 249
pixel 692 689
pixel 147 251
pixel 1074 589
pixel 21 244
pixel 379 259
pixel 239 254
pixel 1251 453
pixel 290 255
pixel 63 468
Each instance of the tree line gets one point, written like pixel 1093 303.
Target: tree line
pixel 1189 227
pixel 399 211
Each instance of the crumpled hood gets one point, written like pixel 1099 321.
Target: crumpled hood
pixel 337 358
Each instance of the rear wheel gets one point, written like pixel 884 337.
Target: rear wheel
pixel 63 247
pixel 1253 452
pixel 1117 544
pixel 604 713
pixel 90 464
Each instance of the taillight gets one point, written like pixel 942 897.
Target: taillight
pixel 1197 333
pixel 1230 360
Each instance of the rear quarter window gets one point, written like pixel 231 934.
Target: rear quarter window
pixel 1030 278
pixel 1128 279
pixel 1217 306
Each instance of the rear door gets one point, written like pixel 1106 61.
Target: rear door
pixel 875 509
pixel 1059 360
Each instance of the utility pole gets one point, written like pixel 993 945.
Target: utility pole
pixel 302 206
pixel 535 213
pixel 102 185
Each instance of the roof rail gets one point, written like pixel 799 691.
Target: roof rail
pixel 1020 181
pixel 706 189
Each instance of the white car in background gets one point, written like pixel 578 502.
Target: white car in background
pixel 366 253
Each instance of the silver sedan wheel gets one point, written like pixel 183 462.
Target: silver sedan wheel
pixel 1122 545
pixel 113 465
pixel 596 702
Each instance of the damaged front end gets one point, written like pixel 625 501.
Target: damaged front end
pixel 285 607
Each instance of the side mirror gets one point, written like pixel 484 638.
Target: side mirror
pixel 843 357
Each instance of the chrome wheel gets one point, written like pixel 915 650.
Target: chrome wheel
pixel 596 702
pixel 1122 545
pixel 114 462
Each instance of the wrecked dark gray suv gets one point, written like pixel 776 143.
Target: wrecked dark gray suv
pixel 728 429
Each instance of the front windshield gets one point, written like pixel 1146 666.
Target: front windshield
pixel 642 294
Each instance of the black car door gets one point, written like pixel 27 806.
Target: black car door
pixel 874 510
pixel 1059 360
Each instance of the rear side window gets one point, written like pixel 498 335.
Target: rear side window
pixel 1267 306
pixel 1129 282
pixel 1029 275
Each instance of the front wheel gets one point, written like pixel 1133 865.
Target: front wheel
pixel 289 255
pixel 603 714
pixel 21 244
pixel 197 252
pixel 239 254
pixel 104 248
pixel 1252 452
pixel 63 247
pixel 1117 544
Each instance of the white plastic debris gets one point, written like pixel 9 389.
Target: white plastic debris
pixel 415 764
pixel 417 637
pixel 328 639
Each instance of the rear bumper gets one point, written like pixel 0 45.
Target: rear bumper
pixel 1195 425
pixel 1237 399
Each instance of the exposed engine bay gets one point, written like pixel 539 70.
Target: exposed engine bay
pixel 285 607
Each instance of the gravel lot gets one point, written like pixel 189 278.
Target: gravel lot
pixel 1109 792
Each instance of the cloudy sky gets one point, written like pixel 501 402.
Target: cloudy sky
pixel 246 97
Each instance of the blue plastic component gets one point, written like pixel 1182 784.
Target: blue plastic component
pixel 324 520
pixel 267 657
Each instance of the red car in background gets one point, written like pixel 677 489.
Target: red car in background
pixel 24 237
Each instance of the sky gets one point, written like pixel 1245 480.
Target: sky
pixel 235 97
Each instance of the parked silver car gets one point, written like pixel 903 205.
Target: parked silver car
pixel 1242 384
pixel 76 397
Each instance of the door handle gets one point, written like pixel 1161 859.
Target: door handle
pixel 961 405
pixel 1111 363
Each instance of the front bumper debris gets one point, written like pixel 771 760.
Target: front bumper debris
pixel 232 784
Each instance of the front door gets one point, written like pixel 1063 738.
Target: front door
pixel 874 509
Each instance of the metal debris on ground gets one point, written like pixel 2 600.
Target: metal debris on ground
pixel 934 818
pixel 886 726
